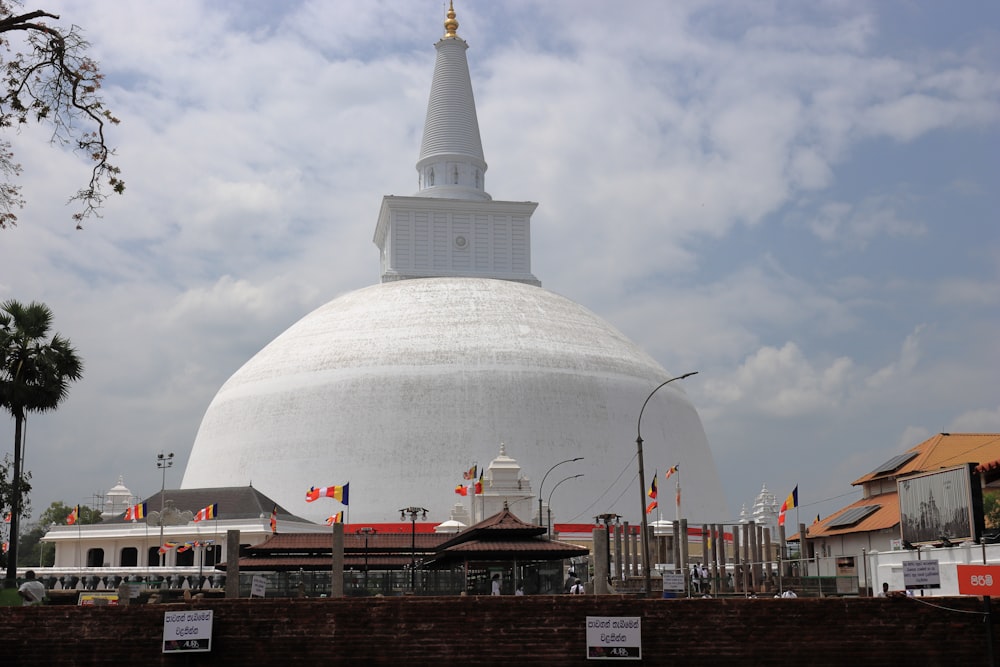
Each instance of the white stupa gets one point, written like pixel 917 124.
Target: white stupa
pixel 397 388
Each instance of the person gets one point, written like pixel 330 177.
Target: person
pixel 576 588
pixel 496 585
pixel 789 593
pixel 520 590
pixel 885 590
pixel 31 591
pixel 570 580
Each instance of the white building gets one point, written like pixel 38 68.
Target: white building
pixel 397 388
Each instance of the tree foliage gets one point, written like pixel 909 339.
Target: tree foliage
pixel 35 552
pixel 48 78
pixel 991 508
pixel 35 374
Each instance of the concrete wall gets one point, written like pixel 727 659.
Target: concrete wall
pixel 529 630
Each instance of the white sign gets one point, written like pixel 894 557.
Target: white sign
pixel 920 574
pixel 187 631
pixel 258 586
pixel 673 581
pixel 614 638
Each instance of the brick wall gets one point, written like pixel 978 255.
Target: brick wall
pixel 521 631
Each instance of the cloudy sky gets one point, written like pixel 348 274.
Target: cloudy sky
pixel 798 200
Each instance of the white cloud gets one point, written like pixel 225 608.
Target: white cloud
pixel 701 177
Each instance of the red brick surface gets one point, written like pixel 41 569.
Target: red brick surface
pixel 521 631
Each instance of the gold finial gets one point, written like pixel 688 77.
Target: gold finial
pixel 451 25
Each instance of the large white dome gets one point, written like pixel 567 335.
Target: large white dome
pixel 399 387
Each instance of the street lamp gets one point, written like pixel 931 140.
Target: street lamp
pixel 578 458
pixel 163 461
pixel 549 501
pixel 642 479
pixel 366 531
pixel 413 512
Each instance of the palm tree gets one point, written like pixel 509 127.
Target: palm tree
pixel 34 377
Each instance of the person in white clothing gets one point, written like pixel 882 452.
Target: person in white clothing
pixel 31 591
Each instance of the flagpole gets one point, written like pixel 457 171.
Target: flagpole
pixel 677 498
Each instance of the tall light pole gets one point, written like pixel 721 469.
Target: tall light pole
pixel 549 501
pixel 163 461
pixel 366 531
pixel 413 512
pixel 642 480
pixel 578 458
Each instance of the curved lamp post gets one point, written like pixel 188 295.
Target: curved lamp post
pixel 413 513
pixel 642 479
pixel 578 458
pixel 549 501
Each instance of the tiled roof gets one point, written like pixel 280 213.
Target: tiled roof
pixel 885 517
pixel 323 542
pixel 942 451
pixel 235 502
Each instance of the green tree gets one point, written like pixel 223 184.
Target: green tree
pixel 35 375
pixel 991 508
pixel 48 78
pixel 32 551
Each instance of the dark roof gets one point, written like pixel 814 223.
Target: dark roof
pixel 503 525
pixel 235 502
pixel 503 536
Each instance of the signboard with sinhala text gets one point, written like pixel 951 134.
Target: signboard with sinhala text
pixel 614 638
pixel 187 631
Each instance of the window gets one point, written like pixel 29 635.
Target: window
pixel 95 557
pixel 129 557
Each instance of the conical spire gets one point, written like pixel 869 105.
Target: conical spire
pixel 451 162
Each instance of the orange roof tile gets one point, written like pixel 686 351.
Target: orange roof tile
pixel 942 451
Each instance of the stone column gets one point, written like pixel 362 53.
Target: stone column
pixel 337 566
pixel 676 527
pixel 685 564
pixel 617 571
pixel 232 563
pixel 713 531
pixel 600 536
pixel 768 553
pixel 737 560
pixel 626 534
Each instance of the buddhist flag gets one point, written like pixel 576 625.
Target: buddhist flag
pixel 816 520
pixel 6 517
pixel 274 520
pixel 136 512
pixel 184 547
pixel 791 501
pixel 73 516
pixel 6 545
pixel 650 507
pixel 210 512
pixel 462 490
pixel 167 546
pixel 335 492
pixel 652 490
pixel 336 518
pixel 671 471
pixel 479 485
pixel 470 473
